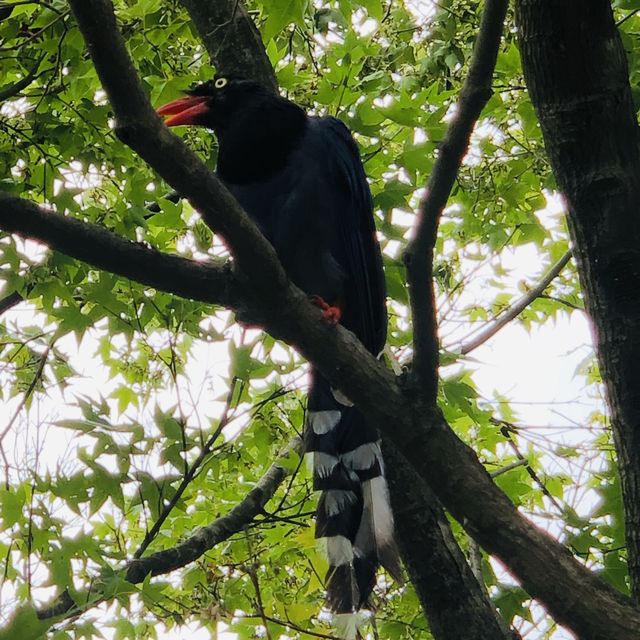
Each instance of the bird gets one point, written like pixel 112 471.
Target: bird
pixel 301 180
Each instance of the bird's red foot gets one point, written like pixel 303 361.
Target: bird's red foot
pixel 330 314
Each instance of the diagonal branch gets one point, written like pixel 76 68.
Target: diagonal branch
pixel 450 594
pixel 418 258
pixel 514 311
pixel 10 301
pixel 203 540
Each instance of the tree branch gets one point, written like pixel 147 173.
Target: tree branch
pixel 192 548
pixel 14 298
pixel 14 89
pixel 10 301
pixel 208 282
pixel 138 126
pixel 514 311
pixel 450 595
pixel 418 258
pixel 232 40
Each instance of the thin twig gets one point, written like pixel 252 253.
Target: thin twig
pixel 42 3
pixel 33 36
pixel 507 429
pixel 36 378
pixel 189 474
pixel 515 310
pixel 521 462
pixel 293 626
pixel 252 570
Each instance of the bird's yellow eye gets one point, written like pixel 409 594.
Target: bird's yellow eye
pixel 220 82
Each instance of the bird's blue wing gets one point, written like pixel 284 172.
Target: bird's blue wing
pixel 356 247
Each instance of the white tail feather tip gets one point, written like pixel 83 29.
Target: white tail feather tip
pixel 362 457
pixel 377 501
pixel 323 421
pixel 339 550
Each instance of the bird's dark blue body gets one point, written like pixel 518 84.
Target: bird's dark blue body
pixel 300 178
pixel 316 211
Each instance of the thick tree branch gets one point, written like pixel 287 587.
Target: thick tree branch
pixel 232 40
pixel 418 258
pixel 193 547
pixel 208 282
pixel 515 310
pixel 14 298
pixel 451 596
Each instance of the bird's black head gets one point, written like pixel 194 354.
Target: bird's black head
pixel 217 103
pixel 256 128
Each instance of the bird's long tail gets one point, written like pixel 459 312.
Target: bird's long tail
pixel 354 518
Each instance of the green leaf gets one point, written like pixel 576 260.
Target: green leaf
pixel 25 625
pixel 281 13
pixel 11 504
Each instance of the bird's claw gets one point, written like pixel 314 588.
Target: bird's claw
pixel 330 314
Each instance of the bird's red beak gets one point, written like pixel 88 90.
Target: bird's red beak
pixel 189 110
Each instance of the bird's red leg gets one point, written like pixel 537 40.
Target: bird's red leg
pixel 330 313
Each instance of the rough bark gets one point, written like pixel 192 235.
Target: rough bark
pixel 455 604
pixel 206 281
pixel 232 39
pixel 577 75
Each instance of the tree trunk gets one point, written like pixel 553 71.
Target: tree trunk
pixel 232 39
pixel 455 604
pixel 576 72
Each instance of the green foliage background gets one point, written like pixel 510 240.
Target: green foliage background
pixel 391 71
